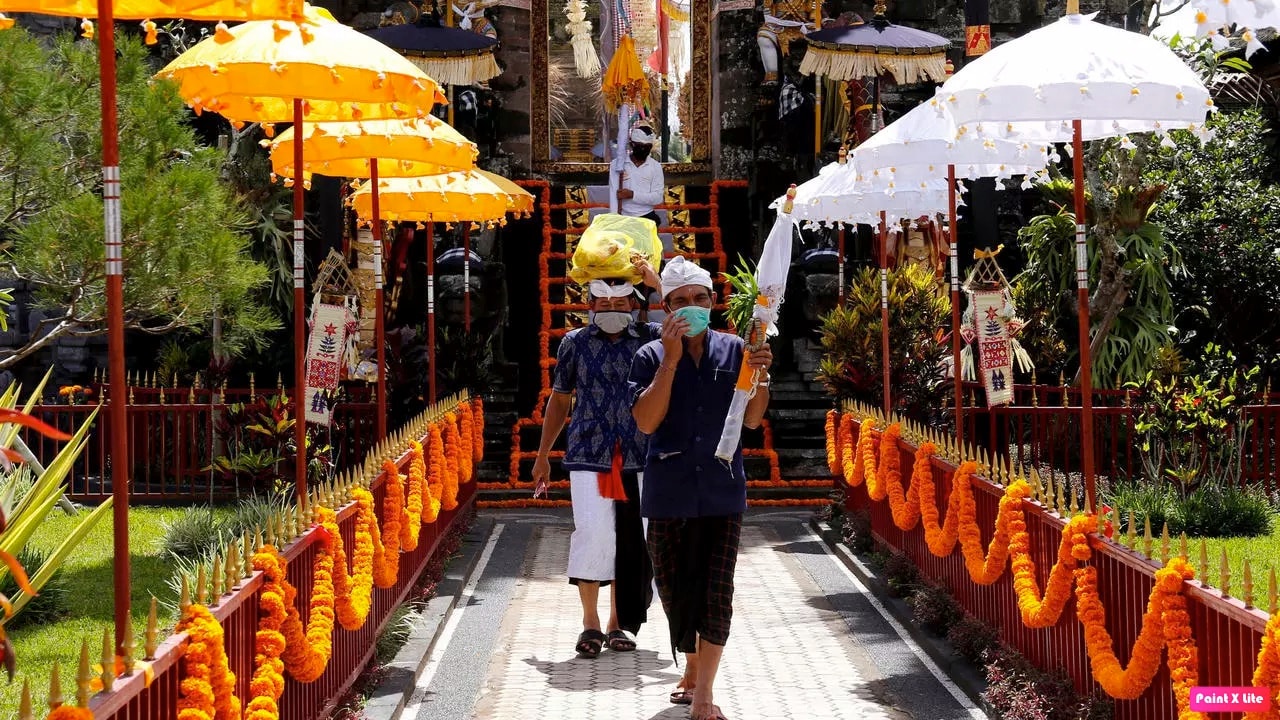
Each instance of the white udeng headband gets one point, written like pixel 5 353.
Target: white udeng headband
pixel 600 288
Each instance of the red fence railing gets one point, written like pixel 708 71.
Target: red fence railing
pixel 172 445
pixel 136 696
pixel 1229 635
pixel 1038 430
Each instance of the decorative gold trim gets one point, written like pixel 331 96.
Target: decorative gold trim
pixel 699 135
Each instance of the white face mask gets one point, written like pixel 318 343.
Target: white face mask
pixel 611 322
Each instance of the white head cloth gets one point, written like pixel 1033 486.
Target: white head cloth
pixel 602 289
pixel 680 272
pixel 642 136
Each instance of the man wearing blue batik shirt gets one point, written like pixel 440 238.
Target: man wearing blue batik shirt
pixel 604 456
pixel 681 387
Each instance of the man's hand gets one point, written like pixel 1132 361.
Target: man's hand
pixel 625 194
pixel 761 359
pixel 541 476
pixel 674 328
pixel 642 266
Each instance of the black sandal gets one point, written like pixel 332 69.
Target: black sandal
pixel 620 641
pixel 590 643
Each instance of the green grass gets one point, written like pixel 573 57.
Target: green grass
pixel 88 577
pixel 1262 553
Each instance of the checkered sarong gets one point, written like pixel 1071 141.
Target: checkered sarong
pixel 790 100
pixel 693 565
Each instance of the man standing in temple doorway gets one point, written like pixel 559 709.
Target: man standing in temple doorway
pixel 642 179
pixel 604 457
pixel 681 386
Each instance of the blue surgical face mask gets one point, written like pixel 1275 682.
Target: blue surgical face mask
pixel 698 318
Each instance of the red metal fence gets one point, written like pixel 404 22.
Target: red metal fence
pixel 238 611
pixel 1042 429
pixel 1228 633
pixel 174 439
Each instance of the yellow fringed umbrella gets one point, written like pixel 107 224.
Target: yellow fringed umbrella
pixel 472 196
pixel 253 72
pixel 373 149
pixel 205 10
pixel 403 148
pixel 114 252
pixel 315 69
pixel 624 80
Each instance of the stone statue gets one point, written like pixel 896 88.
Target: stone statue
pixel 784 21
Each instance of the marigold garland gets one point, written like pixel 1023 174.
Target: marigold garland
pixel 449 432
pixel 477 429
pixel 70 712
pixel 466 456
pixel 353 590
pixel 267 684
pixel 413 507
pixel 208 686
pixel 386 555
pixel 833 442
pixel 307 649
pixel 1267 674
pixel 1183 658
pixel 1124 683
pixel 435 474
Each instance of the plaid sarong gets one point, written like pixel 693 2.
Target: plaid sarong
pixel 693 563
pixel 790 99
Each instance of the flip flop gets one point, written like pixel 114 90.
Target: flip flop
pixel 681 697
pixel 590 642
pixel 620 641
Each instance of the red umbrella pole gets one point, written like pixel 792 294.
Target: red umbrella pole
pixel 431 312
pixel 379 322
pixel 466 275
pixel 1082 300
pixel 884 310
pixel 953 243
pixel 299 313
pixel 117 412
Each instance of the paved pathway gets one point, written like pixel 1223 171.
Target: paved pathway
pixel 807 641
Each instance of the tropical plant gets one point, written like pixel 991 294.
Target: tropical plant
pixel 182 224
pixel 261 447
pixel 25 503
pixel 741 303
pixel 1192 427
pixel 465 360
pixel 851 342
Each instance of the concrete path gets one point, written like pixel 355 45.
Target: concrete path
pixel 808 641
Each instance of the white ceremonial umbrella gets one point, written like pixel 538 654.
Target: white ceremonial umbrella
pixel 771 281
pixel 926 145
pixel 1072 81
pixel 844 194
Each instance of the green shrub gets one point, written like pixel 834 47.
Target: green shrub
pixel 193 534
pixel 50 604
pixel 972 638
pixel 1225 511
pixel 255 511
pixel 1145 499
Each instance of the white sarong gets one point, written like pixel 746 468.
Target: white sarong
pixel 593 546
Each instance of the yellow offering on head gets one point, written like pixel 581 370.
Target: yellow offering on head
pixel 608 246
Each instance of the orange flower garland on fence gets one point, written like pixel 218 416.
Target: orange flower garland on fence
pixel 834 462
pixel 1183 659
pixel 435 474
pixel 466 443
pixel 413 508
pixel 386 555
pixel 70 712
pixel 307 649
pixel 449 433
pixel 477 429
pixel 1038 612
pixel 353 591
pixel 208 685
pixel 267 684
pixel 1267 673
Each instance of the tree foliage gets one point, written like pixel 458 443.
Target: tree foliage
pixel 184 248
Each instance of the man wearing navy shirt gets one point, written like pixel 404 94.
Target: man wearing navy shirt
pixel 681 386
pixel 604 455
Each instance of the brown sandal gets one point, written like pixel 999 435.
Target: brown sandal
pixel 681 697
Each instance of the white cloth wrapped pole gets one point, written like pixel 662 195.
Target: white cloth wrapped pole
pixel 771 279
pixel 619 156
